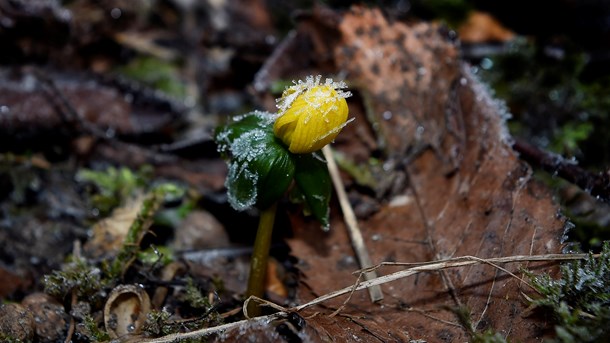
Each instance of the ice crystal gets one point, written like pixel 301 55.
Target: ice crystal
pixel 300 86
pixel 241 184
pixel 249 145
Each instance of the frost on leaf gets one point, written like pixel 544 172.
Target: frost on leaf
pixel 243 180
pixel 249 146
pixel 241 186
pixel 260 168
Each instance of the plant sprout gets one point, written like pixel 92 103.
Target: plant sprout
pixel 266 152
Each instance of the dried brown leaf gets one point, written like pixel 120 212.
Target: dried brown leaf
pixel 108 235
pixel 467 193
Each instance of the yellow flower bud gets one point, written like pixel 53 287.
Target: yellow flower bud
pixel 311 114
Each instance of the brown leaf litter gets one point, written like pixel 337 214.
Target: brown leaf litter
pixel 467 191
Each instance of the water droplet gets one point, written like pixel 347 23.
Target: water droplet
pixel 463 81
pixel 376 237
pixel 6 22
pixel 131 328
pixel 487 63
pixel 387 115
pixel 572 160
pixel 270 39
pixel 110 132
pixel 387 166
pixel 189 101
pixel 116 13
pixel 29 83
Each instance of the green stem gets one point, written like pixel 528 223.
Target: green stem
pixel 260 256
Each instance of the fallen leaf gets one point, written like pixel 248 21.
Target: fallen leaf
pixel 464 191
pixel 108 235
pixel 32 104
pixel 481 27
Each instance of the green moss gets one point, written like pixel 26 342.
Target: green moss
pixel 580 299
pixel 157 324
pixel 93 331
pixel 77 276
pixel 9 339
pixel 156 73
pixel 156 256
pixel 556 101
pixel 112 186
pixel 131 246
pixel 194 297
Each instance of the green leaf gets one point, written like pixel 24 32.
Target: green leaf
pixel 226 135
pixel 241 186
pixel 260 166
pixel 314 183
pixel 277 171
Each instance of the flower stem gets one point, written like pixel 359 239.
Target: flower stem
pixel 260 257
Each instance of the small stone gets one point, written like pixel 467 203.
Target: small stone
pixel 50 317
pixel 200 230
pixel 16 322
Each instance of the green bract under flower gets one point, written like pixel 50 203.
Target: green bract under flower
pixel 266 152
pixel 260 168
pixel 311 114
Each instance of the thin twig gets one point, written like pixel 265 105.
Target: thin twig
pixel 440 265
pixel 76 253
pixel 177 337
pixel 414 269
pixel 337 311
pixel 67 112
pixel 261 302
pixel 596 184
pixel 72 325
pixel 352 224
pixel 429 316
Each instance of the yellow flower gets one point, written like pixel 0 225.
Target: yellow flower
pixel 311 114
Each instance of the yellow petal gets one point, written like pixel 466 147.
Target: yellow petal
pixel 312 120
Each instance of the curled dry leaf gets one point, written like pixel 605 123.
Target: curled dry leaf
pixel 481 27
pixel 108 235
pixel 126 310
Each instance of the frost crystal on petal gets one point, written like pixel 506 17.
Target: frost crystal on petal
pixel 299 87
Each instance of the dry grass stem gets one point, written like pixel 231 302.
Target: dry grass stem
pixel 413 269
pixel 436 266
pixel 352 225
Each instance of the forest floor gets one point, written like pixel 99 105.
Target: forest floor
pixel 460 167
